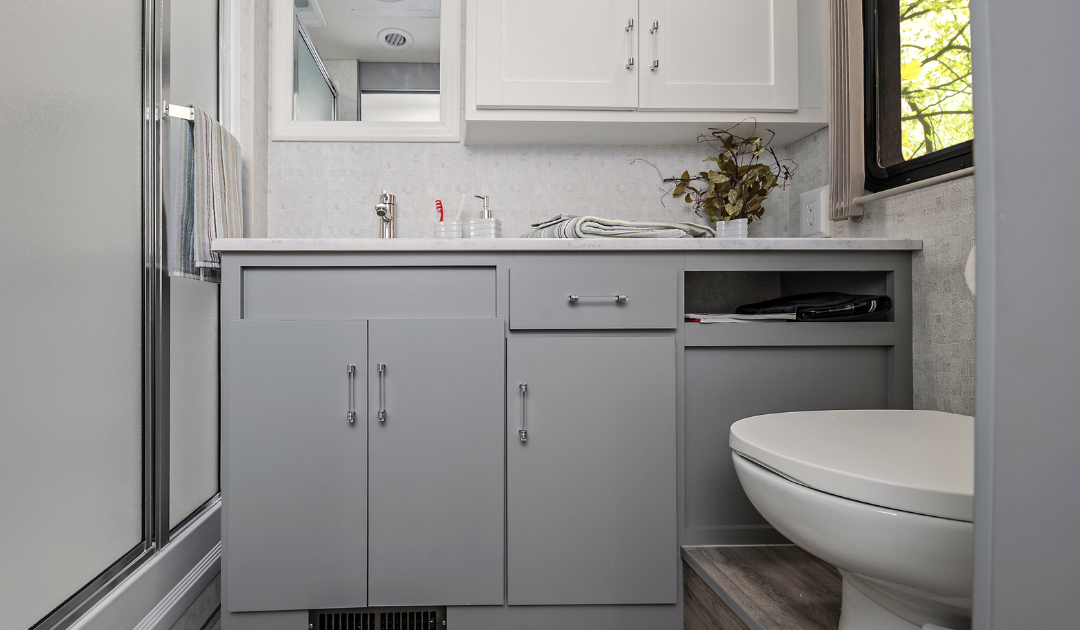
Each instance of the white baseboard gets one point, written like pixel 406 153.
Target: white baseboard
pixel 169 609
pixel 154 596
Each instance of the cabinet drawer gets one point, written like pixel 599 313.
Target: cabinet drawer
pixel 555 298
pixel 369 293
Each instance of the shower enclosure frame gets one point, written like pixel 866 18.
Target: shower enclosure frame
pixel 156 532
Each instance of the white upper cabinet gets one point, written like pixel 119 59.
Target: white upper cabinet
pixel 559 71
pixel 715 55
pixel 557 54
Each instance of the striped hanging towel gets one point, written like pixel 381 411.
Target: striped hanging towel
pixel 208 202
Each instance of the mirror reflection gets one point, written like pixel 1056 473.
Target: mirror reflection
pixel 367 60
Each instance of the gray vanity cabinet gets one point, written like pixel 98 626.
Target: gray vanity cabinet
pixel 553 505
pixel 591 487
pixel 296 529
pixel 435 422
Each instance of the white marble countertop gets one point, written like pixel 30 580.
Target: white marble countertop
pixel 557 244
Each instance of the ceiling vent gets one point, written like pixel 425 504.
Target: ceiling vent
pixel 392 8
pixel 395 39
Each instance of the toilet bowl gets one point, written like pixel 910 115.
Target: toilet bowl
pixel 885 495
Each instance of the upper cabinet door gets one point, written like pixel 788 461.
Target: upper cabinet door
pixel 295 485
pixel 558 54
pixel 719 55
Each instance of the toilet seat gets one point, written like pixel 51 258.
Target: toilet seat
pixel 914 461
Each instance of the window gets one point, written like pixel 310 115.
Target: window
pixel 918 90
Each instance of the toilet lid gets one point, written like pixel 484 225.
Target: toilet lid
pixel 915 461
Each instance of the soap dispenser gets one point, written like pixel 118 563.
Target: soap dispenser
pixel 486 226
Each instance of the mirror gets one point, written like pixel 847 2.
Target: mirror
pixel 366 60
pixel 366 70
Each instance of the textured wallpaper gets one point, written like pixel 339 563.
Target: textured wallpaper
pixel 251 122
pixel 330 189
pixel 944 310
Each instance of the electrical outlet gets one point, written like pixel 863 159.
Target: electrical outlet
pixel 814 213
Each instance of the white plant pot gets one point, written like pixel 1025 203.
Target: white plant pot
pixel 736 228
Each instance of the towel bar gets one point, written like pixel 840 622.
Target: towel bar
pixel 179 111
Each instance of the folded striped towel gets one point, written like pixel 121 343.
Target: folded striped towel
pixel 207 202
pixel 570 226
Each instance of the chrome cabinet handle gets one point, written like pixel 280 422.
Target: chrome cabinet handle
pixel 350 415
pixel 655 51
pixel 630 43
pixel 381 367
pixel 620 298
pixel 523 434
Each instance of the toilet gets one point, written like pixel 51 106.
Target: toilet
pixel 885 495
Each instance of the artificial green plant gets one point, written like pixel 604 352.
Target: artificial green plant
pixel 736 188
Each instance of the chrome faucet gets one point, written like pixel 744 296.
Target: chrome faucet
pixel 385 210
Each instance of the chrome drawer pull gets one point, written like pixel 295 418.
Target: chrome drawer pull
pixel 350 415
pixel 620 298
pixel 381 367
pixel 523 434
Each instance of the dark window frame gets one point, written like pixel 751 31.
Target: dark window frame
pixel 881 47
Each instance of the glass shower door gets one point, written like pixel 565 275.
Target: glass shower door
pixel 314 93
pixel 193 304
pixel 71 301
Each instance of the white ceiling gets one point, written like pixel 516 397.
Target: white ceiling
pixel 348 37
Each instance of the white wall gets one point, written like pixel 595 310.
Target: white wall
pixel 1027 430
pixel 251 99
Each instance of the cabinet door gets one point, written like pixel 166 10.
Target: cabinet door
pixel 591 516
pixel 296 468
pixel 720 55
pixel 436 494
pixel 568 54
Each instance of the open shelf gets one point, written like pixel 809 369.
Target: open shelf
pixel 724 291
pixel 789 334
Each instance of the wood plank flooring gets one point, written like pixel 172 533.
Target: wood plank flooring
pixel 702 607
pixel 781 587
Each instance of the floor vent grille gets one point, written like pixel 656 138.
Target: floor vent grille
pixel 381 618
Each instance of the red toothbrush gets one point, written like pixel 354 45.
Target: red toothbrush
pixel 438 206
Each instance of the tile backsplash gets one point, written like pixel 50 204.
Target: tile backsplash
pixel 330 189
pixel 943 312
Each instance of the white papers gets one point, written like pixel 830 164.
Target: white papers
pixel 717 318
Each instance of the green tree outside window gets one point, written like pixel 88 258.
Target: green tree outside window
pixel 935 72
